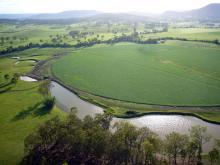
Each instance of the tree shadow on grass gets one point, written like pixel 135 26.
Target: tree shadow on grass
pixel 5 84
pixel 36 110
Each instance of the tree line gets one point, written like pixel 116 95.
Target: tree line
pixel 134 37
pixel 94 141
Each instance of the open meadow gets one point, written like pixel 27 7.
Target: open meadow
pixel 163 74
pixel 21 108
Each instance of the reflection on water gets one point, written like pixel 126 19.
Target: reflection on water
pixel 165 124
pixel 160 124
pixel 26 78
pixel 67 100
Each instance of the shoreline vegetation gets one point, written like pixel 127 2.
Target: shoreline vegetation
pixel 135 113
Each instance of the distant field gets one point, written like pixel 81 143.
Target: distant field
pixel 30 33
pixel 168 74
pixel 190 33
pixel 23 34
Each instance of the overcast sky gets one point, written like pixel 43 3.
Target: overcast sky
pixel 149 6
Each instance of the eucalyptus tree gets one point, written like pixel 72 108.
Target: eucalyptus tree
pixel 199 136
pixel 175 143
pixel 123 143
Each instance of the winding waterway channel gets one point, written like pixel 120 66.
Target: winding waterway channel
pixel 160 124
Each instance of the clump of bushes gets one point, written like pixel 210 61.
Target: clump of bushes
pixel 131 112
pixel 15 78
pixel 49 102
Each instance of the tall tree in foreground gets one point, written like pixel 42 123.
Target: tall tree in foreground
pixel 123 143
pixel 199 137
pixel 175 143
pixel 72 141
pixel 93 141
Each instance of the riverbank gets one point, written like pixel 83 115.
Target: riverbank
pixel 160 124
pixel 143 110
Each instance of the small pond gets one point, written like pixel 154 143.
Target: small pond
pixel 26 78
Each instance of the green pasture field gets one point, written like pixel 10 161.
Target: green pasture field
pixel 32 33
pixel 189 33
pixel 164 74
pixel 21 109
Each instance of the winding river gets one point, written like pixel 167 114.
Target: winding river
pixel 160 124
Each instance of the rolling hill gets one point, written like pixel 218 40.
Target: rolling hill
pixel 67 14
pixel 209 12
pixel 72 14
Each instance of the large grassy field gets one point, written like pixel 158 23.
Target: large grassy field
pixel 21 109
pixel 166 74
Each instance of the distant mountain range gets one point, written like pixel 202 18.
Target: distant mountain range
pixel 67 14
pixel 15 16
pixel 209 12
pixel 51 16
